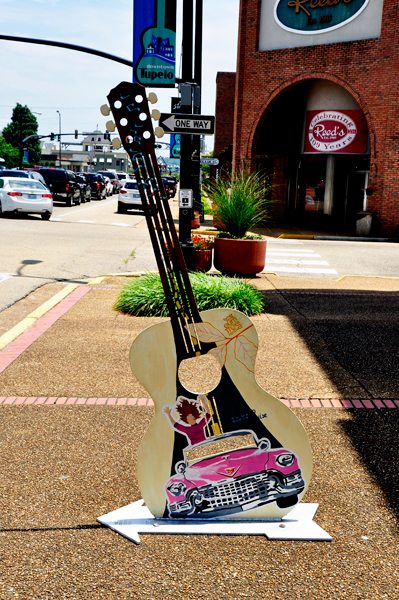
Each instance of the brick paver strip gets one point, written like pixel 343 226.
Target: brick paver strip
pixel 18 346
pixel 94 401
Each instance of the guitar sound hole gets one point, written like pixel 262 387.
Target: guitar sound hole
pixel 200 374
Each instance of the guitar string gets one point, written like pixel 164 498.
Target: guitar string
pixel 165 243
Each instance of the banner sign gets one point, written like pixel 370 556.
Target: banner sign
pixel 335 131
pixel 154 42
pixel 316 16
pixel 175 145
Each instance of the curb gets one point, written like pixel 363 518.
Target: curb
pixel 94 401
pixel 23 325
pixel 335 238
pixel 28 331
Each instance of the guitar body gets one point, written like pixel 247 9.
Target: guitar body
pixel 264 480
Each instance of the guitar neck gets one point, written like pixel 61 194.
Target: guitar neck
pixel 129 106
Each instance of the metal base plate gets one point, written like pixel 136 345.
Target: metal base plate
pixel 135 518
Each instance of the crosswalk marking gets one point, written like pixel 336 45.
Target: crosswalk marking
pixel 284 261
pixel 83 221
pixel 121 224
pixel 295 259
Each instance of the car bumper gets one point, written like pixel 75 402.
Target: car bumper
pixel 27 206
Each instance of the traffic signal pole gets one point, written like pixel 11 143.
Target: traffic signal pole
pixel 190 103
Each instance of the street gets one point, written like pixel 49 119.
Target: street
pixel 90 240
pixel 77 244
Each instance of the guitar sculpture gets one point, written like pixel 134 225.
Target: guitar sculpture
pixel 262 480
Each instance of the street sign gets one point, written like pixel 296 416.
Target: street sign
pixel 210 161
pixel 191 124
pixel 185 198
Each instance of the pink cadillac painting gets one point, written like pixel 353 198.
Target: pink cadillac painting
pixel 231 482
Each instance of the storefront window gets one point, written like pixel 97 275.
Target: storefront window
pixel 311 183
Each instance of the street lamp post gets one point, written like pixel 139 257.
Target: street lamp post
pixel 59 124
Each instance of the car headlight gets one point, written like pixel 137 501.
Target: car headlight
pixel 177 489
pixel 285 460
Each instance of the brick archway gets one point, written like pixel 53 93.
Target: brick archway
pixel 287 85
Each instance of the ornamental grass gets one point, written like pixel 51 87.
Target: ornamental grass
pixel 240 201
pixel 144 296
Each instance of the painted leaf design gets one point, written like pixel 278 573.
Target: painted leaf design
pixel 205 332
pixel 220 353
pixel 245 352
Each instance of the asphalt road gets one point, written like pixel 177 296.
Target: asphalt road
pixel 76 245
pixel 86 241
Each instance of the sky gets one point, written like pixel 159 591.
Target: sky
pixel 48 79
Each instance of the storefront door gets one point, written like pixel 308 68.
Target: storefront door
pixel 356 199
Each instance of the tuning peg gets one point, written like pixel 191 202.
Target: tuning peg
pixel 105 110
pixel 159 132
pixel 156 115
pixel 110 125
pixel 116 143
pixel 152 97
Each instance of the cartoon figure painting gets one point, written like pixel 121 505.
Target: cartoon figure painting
pixel 194 416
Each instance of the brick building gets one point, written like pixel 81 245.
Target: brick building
pixel 316 104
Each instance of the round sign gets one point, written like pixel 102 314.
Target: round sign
pixel 331 130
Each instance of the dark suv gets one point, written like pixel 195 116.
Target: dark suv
pixel 172 184
pixel 62 184
pixel 97 184
pixel 114 180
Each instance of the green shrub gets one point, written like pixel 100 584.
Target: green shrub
pixel 144 296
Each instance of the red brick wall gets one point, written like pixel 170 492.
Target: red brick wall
pixel 224 115
pixel 368 69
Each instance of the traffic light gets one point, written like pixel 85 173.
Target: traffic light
pixel 76 134
pixel 107 135
pixel 52 136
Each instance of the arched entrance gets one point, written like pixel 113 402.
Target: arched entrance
pixel 314 143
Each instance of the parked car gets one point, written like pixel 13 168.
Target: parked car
pixel 235 481
pixel 97 185
pixel 129 196
pixel 62 184
pixel 28 174
pixel 85 189
pixel 172 182
pixel 114 179
pixel 24 195
pixel 167 188
pixel 109 186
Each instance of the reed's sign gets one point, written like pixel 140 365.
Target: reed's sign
pixel 333 131
pixel 316 16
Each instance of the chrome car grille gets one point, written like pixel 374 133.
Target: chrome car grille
pixel 258 487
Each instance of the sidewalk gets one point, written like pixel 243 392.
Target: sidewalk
pixel 323 344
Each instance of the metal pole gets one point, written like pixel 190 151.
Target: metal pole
pixel 59 124
pixel 185 143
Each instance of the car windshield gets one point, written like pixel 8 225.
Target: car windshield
pixel 131 185
pixel 108 174
pixel 91 177
pixel 30 184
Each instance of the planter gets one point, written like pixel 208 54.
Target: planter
pixel 240 257
pixel 195 223
pixel 203 260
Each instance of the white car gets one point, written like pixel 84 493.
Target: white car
pixel 23 195
pixel 109 186
pixel 129 196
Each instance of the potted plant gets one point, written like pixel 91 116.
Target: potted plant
pixel 240 203
pixel 195 222
pixel 203 252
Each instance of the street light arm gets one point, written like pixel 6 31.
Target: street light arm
pixel 13 38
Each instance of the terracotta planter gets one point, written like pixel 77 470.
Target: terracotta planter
pixel 240 257
pixel 203 260
pixel 195 223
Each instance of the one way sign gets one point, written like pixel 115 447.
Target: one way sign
pixel 192 124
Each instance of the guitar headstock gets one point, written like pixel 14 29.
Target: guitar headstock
pixel 128 104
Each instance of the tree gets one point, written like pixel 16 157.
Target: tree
pixel 9 153
pixel 23 123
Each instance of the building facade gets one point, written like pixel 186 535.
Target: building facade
pixel 316 105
